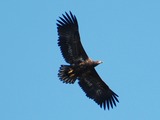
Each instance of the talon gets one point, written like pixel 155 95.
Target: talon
pixel 70 71
pixel 71 75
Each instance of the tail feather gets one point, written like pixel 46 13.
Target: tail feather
pixel 66 74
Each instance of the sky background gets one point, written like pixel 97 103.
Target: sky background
pixel 124 34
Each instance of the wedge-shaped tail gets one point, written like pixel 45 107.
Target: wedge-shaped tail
pixel 67 74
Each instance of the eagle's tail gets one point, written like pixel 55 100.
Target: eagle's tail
pixel 66 74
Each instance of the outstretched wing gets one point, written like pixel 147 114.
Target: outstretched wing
pixel 97 90
pixel 69 39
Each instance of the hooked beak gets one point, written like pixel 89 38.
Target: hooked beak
pixel 99 62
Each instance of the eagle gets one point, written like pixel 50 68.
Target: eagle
pixel 81 67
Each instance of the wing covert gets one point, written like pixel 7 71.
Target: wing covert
pixel 69 39
pixel 97 90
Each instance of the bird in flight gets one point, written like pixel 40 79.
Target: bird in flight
pixel 81 67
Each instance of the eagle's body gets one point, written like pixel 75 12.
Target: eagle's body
pixel 81 66
pixel 69 73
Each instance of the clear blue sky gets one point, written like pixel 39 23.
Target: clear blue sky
pixel 124 34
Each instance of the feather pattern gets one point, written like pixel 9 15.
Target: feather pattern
pixel 69 39
pixel 96 89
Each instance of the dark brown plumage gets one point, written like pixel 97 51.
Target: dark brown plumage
pixel 80 66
